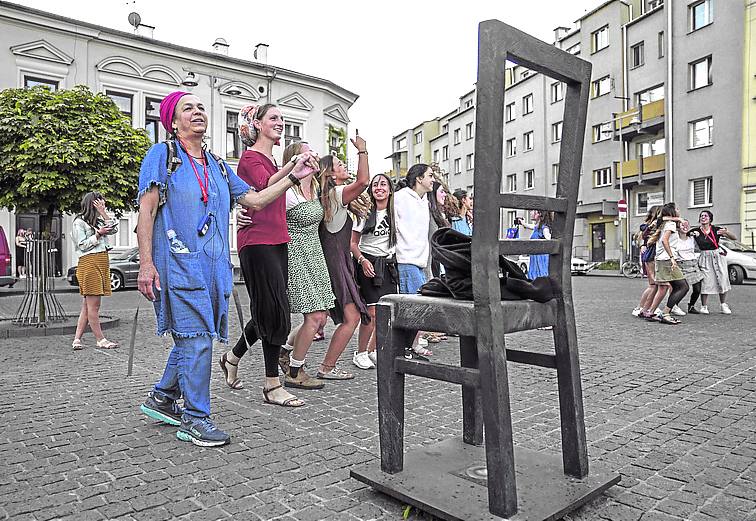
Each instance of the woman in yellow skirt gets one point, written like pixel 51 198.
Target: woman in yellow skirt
pixel 90 230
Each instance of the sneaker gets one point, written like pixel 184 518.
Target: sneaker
pixel 704 310
pixel 302 381
pixel 421 348
pixel 637 311
pixel 373 357
pixel 677 311
pixel 162 409
pixel 726 309
pixel 659 311
pixel 202 432
pixel 362 360
pixel 409 354
pixel 335 374
pixel 693 311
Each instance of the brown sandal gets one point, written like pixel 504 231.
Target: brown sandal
pixel 237 383
pixel 289 402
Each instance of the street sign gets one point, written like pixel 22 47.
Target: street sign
pixel 622 208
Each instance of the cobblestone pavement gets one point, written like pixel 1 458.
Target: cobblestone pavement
pixel 671 408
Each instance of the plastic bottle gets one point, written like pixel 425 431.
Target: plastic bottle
pixel 176 245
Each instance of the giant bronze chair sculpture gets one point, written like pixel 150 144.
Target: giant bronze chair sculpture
pixel 459 479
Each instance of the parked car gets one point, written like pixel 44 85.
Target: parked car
pixel 6 261
pixel 124 269
pixel 741 261
pixel 579 266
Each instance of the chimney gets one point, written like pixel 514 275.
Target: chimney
pixel 145 30
pixel 261 53
pixel 221 46
pixel 560 33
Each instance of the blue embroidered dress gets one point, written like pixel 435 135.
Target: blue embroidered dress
pixel 539 264
pixel 196 286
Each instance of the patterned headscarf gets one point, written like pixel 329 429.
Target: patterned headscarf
pixel 247 131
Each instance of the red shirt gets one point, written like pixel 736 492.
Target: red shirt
pixel 269 224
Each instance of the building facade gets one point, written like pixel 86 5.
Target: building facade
pixel 137 71
pixel 665 121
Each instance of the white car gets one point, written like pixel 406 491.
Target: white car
pixel 741 261
pixel 579 266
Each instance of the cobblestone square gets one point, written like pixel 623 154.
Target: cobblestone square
pixel 671 408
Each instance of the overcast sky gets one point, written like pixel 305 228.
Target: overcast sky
pixel 408 60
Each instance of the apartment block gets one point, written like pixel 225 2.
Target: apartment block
pixel 665 120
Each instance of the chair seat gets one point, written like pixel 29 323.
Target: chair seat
pixel 417 312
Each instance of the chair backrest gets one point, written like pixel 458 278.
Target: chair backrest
pixel 499 42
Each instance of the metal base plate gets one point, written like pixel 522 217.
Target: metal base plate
pixel 445 480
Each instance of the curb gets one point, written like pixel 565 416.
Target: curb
pixel 106 322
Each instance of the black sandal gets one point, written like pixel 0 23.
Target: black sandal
pixel 236 384
pixel 289 402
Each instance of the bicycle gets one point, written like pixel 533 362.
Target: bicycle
pixel 631 269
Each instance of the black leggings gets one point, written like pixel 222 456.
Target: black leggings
pixel 679 289
pixel 695 293
pixel 270 351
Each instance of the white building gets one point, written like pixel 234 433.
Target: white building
pixel 137 71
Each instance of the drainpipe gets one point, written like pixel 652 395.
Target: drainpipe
pixel 669 185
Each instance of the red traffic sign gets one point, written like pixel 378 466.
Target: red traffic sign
pixel 622 205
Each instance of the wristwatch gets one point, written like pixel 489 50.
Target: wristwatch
pixel 294 179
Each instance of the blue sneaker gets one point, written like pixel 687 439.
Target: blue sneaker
pixel 201 432
pixel 162 409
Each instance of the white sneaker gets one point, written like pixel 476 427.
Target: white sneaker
pixel 677 311
pixel 659 311
pixel 704 310
pixel 373 357
pixel 362 360
pixel 421 347
pixel 637 311
pixel 726 309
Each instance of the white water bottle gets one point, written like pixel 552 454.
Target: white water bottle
pixel 176 245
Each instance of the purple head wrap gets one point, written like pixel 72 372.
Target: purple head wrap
pixel 168 107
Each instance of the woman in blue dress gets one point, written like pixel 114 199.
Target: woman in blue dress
pixel 185 267
pixel 539 264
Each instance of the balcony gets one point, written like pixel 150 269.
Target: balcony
pixel 649 120
pixel 653 168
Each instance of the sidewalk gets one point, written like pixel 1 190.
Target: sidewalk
pixel 670 408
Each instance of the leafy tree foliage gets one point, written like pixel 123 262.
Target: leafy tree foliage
pixel 57 146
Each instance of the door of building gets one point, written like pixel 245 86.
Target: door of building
pixel 598 242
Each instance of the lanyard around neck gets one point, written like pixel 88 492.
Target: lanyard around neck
pixel 712 237
pixel 203 187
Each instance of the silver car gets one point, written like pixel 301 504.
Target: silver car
pixel 741 261
pixel 124 269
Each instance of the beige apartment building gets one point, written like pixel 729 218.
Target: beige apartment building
pixel 665 121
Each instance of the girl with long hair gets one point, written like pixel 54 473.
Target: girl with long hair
pixel 335 237
pixel 539 264
pixel 90 230
pixel 262 242
pixel 648 255
pixel 373 248
pixel 667 270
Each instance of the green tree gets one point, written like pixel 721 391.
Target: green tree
pixel 57 146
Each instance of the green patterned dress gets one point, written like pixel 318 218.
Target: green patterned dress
pixel 309 284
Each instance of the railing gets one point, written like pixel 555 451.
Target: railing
pixel 647 112
pixel 39 305
pixel 650 164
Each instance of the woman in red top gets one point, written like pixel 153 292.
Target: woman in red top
pixel 262 242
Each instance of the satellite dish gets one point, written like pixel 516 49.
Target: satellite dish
pixel 135 19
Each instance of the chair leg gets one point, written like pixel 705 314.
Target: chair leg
pixel 497 418
pixel 472 416
pixel 574 447
pixel 390 343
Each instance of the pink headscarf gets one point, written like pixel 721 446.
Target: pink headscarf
pixel 168 107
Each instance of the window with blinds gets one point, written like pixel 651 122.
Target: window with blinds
pixel 700 192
